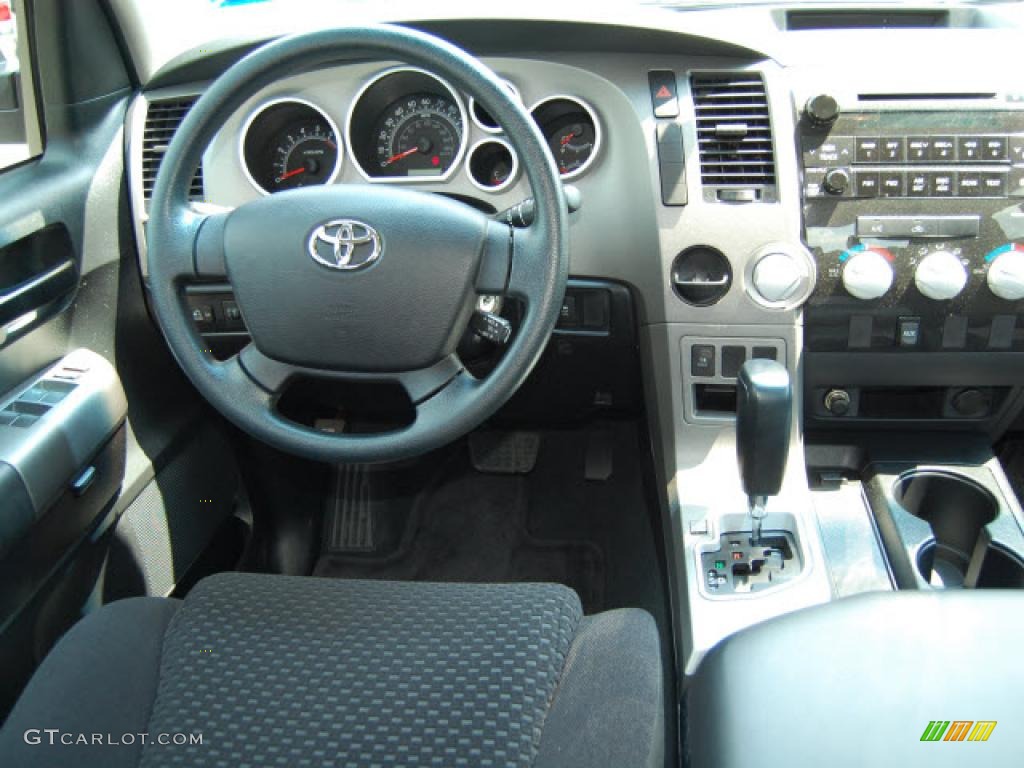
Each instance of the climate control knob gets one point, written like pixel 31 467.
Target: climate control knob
pixel 1006 275
pixel 867 275
pixel 940 276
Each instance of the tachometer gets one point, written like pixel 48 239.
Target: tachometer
pixel 419 135
pixel 305 154
pixel 288 144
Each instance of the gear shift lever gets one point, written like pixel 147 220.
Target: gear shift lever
pixel 764 409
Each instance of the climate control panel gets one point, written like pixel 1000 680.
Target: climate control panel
pixel 925 264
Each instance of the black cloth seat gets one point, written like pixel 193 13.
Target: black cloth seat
pixel 291 671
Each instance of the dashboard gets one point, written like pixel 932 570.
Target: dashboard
pixel 859 217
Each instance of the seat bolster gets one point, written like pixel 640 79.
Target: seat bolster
pixel 608 708
pixel 100 678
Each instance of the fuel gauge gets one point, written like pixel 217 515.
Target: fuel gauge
pixel 492 165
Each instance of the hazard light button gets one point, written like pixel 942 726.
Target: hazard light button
pixel 663 93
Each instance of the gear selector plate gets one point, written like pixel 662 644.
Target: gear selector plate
pixel 741 566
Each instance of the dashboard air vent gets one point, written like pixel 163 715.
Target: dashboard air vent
pixel 162 120
pixel 734 131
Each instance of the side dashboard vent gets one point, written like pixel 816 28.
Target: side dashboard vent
pixel 162 120
pixel 734 131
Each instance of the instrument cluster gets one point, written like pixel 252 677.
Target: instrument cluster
pixel 406 125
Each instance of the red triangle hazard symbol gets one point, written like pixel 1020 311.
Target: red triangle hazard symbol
pixel 663 93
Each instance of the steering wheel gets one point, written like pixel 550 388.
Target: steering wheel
pixel 356 282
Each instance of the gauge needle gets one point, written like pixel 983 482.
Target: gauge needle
pixel 401 155
pixel 567 138
pixel 288 175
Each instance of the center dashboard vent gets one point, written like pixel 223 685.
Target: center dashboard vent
pixel 734 132
pixel 162 120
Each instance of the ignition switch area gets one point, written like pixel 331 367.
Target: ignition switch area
pixel 740 567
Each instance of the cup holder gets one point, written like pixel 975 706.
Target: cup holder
pixel 961 553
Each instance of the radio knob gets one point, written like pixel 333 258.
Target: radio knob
pixel 940 276
pixel 837 181
pixel 822 109
pixel 1006 276
pixel 867 275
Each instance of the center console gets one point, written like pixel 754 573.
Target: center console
pixel 912 211
pixel 891 292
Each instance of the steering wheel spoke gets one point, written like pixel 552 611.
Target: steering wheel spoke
pixel 208 246
pixel 424 384
pixel 528 271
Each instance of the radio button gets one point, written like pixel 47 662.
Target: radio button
pixel 866 184
pixel 836 150
pixel 891 183
pixel 968 184
pixel 918 149
pixel 943 149
pixel 866 150
pixel 993 149
pixel 969 149
pixel 942 184
pixel 893 150
pixel 918 183
pixel 993 184
pixel 1017 149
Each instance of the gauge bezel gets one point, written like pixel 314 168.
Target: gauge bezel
pixel 477 122
pixel 513 175
pixel 598 132
pixel 460 155
pixel 273 102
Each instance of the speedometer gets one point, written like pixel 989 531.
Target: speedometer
pixel 418 135
pixel 407 125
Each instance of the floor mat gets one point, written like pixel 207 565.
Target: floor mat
pixel 469 526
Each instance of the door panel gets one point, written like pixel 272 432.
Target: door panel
pixel 69 280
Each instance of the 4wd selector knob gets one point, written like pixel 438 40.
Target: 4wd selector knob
pixel 1006 275
pixel 940 276
pixel 867 275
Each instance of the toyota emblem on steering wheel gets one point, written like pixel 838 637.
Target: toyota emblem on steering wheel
pixel 345 244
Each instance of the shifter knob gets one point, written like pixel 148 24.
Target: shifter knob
pixel 764 409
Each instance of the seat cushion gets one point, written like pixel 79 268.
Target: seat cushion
pixel 291 671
